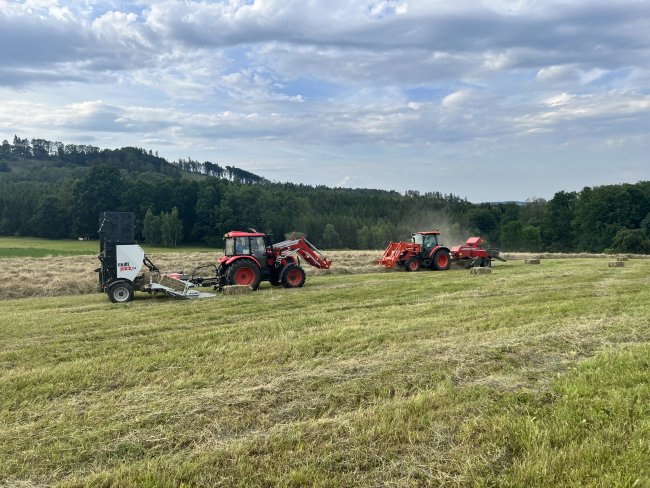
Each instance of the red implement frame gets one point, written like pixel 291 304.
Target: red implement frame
pixel 396 251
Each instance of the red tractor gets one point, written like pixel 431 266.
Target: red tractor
pixel 251 257
pixel 425 250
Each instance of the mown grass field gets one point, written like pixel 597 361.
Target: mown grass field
pixel 529 376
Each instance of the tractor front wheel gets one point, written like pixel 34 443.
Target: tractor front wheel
pixel 293 276
pixel 441 260
pixel 244 273
pixel 120 292
pixel 412 264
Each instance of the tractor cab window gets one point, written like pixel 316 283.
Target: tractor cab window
pixel 417 238
pixel 430 241
pixel 230 246
pixel 241 246
pixel 258 248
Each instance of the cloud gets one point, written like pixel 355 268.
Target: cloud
pixel 337 84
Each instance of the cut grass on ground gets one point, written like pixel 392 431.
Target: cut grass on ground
pixel 529 376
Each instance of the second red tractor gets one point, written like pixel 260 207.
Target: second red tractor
pixel 425 251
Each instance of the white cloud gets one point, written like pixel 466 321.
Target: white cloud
pixel 344 80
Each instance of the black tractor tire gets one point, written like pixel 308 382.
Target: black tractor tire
pixel 441 260
pixel 293 276
pixel 120 292
pixel 244 272
pixel 412 264
pixel 487 262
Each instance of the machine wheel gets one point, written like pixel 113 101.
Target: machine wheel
pixel 120 292
pixel 412 264
pixel 487 262
pixel 245 273
pixel 441 260
pixel 293 276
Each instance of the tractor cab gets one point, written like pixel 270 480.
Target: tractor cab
pixel 253 244
pixel 427 240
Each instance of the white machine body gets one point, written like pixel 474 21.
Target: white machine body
pixel 129 261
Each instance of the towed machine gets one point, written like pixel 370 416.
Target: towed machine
pixel 425 251
pixel 125 268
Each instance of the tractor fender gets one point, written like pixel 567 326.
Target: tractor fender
pixel 230 260
pixel 436 249
pixel 285 267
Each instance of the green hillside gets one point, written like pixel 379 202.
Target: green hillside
pixel 57 191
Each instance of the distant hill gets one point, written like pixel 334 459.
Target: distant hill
pixel 55 190
pixel 44 160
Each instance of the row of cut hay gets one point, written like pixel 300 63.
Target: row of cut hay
pixel 72 275
pixel 518 256
pixel 51 276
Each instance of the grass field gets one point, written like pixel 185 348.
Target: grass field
pixel 11 247
pixel 529 376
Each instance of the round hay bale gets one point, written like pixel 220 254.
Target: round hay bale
pixel 622 258
pixel 532 261
pixel 480 271
pixel 236 290
pixel 616 264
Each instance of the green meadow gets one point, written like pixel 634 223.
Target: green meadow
pixel 529 376
pixel 11 247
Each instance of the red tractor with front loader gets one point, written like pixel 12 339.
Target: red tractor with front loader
pixel 426 251
pixel 252 257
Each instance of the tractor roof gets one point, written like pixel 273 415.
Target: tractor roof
pixel 236 233
pixel 428 232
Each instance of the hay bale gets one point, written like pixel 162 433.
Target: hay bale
pixel 616 264
pixel 236 290
pixel 622 258
pixel 172 283
pixel 532 261
pixel 480 271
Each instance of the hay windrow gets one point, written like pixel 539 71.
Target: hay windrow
pixel 518 256
pixel 72 275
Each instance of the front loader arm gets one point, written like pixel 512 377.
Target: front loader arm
pixel 303 248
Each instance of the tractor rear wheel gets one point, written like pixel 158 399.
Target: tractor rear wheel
pixel 293 276
pixel 244 273
pixel 412 264
pixel 441 260
pixel 120 292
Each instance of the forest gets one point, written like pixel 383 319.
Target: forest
pixel 55 190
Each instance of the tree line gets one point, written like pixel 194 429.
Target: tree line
pixel 57 191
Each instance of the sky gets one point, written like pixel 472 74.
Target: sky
pixel 490 100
